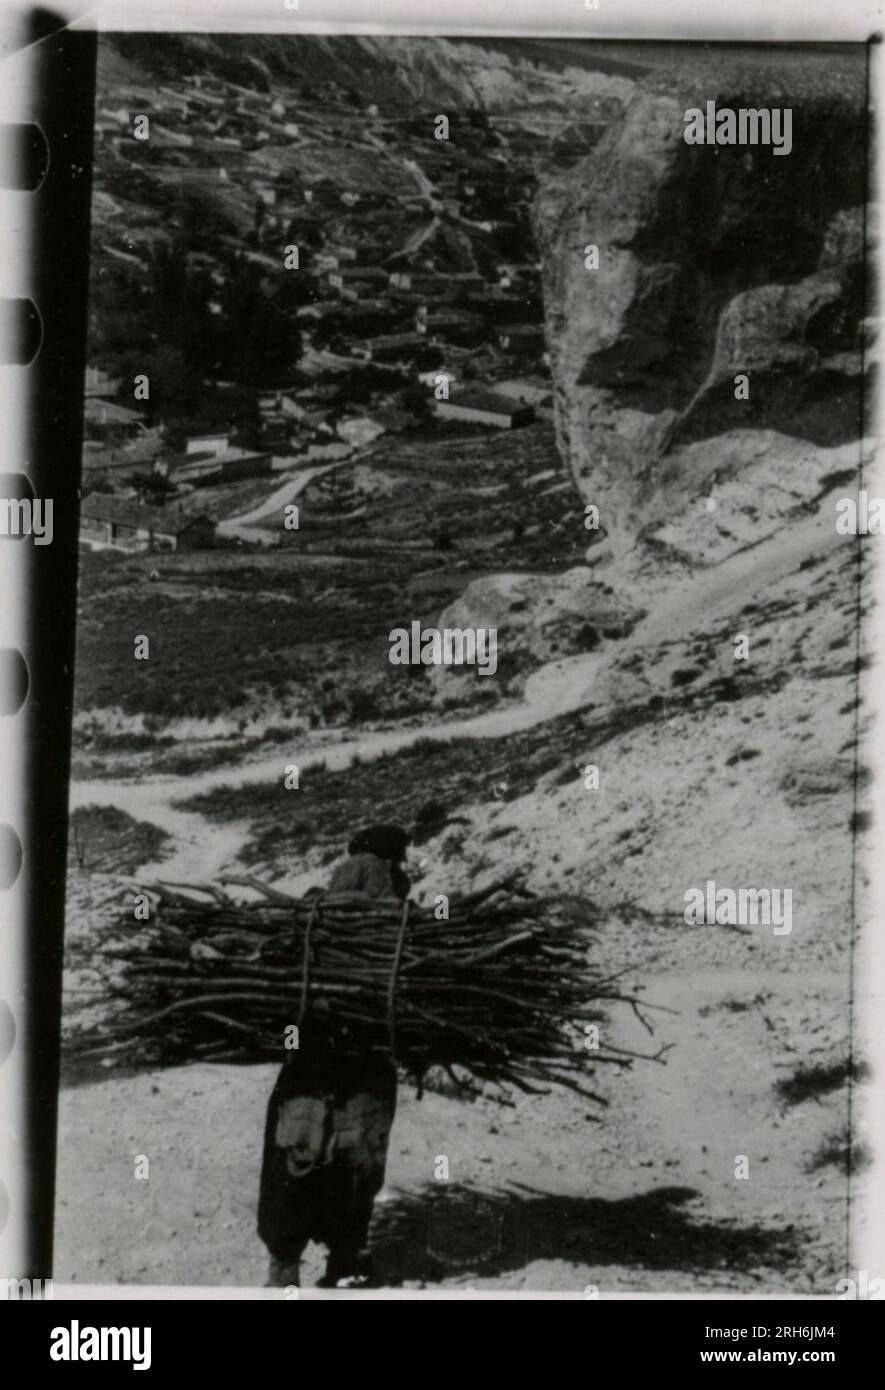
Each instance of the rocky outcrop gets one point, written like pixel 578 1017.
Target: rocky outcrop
pixel 427 74
pixel 754 484
pixel 713 261
pixel 800 347
pixel 538 618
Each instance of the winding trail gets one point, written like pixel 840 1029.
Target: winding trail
pixel 206 848
pixel 287 492
pixel 557 688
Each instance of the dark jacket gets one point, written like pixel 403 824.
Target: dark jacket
pixel 366 873
pixel 329 1116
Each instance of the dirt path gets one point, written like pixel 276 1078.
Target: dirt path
pixel 554 1194
pixel 723 588
pixel 203 848
pixel 557 688
pixel 287 492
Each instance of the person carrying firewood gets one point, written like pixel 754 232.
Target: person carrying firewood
pixel 330 1112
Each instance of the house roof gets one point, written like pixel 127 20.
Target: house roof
pixel 452 318
pixel 107 413
pixel 493 295
pixel 358 272
pixel 535 390
pixel 355 248
pixel 391 340
pixel 521 330
pixel 99 383
pixel 127 511
pixel 318 309
pixel 488 401
pixel 196 457
pixel 405 276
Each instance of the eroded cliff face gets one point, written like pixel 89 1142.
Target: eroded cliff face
pixel 713 261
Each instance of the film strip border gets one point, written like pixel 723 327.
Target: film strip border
pixel 46 117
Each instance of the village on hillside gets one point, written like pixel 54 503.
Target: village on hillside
pixel 304 274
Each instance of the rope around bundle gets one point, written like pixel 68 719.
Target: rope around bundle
pixel 503 986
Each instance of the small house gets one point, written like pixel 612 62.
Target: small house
pixel 103 417
pixel 357 282
pixel 213 468
pixel 534 391
pixel 484 408
pixel 390 347
pixel 450 325
pixel 214 444
pixel 122 523
pixel 99 384
pixel 358 252
pixel 522 339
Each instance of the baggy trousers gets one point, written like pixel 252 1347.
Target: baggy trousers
pixel 325 1150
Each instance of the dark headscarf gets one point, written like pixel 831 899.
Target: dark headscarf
pixel 385 841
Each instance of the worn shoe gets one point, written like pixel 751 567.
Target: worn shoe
pixel 283 1274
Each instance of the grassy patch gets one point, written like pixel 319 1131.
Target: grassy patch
pixel 401 785
pixel 819 1079
pixel 316 819
pixel 103 839
pixel 842 1152
pixel 303 628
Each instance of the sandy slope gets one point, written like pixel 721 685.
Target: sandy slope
pixel 553 1195
pixel 549 1196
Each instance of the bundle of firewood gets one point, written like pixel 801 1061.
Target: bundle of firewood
pixel 498 982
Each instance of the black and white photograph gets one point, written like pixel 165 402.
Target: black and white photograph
pixel 469 799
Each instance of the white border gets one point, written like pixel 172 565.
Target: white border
pixel 15 282
pixel 720 21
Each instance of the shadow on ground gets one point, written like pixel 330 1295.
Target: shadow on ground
pixel 457 1230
